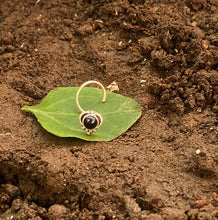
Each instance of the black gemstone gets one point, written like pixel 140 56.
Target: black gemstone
pixel 90 122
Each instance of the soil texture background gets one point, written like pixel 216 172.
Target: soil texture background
pixel 164 55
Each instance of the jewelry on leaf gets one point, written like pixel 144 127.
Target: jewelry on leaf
pixel 90 120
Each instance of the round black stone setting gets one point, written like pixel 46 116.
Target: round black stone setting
pixel 90 122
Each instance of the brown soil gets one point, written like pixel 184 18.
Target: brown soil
pixel 161 53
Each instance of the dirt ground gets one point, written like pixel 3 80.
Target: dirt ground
pixel 161 53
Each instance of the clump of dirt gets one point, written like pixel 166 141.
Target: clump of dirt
pixel 187 92
pixel 161 53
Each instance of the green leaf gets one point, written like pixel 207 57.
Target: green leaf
pixel 59 114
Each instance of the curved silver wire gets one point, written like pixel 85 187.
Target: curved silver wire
pixel 82 86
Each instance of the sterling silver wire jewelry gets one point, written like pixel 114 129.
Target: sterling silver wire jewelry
pixel 90 120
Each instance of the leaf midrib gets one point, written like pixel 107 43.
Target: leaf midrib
pixel 74 114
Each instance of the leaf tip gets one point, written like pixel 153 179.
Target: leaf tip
pixel 25 108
